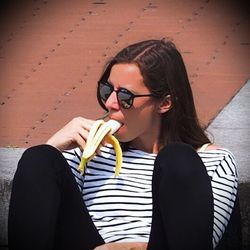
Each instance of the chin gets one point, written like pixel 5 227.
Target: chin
pixel 121 137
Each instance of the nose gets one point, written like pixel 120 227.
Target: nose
pixel 112 102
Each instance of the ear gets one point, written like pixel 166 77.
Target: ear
pixel 165 105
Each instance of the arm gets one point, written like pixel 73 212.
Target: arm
pixel 224 184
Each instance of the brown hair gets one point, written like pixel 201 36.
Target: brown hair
pixel 164 73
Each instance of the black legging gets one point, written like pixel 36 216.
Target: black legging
pixel 47 210
pixel 46 207
pixel 182 201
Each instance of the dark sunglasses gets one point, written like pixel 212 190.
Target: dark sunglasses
pixel 125 97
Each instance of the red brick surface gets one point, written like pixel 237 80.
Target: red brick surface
pixel 52 53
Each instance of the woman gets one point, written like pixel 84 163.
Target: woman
pixel 175 190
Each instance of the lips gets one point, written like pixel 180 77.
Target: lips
pixel 114 118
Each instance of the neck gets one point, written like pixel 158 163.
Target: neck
pixel 149 140
pixel 147 143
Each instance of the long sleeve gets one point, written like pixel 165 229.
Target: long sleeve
pixel 224 184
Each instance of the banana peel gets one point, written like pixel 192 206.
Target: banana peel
pixel 98 131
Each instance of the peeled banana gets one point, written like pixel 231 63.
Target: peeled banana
pixel 98 131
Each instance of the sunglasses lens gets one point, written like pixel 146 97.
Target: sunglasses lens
pixel 125 98
pixel 105 91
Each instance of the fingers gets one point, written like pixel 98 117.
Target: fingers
pixel 79 122
pixel 79 129
pixel 73 134
pixel 79 140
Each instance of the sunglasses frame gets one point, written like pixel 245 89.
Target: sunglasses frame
pixel 120 90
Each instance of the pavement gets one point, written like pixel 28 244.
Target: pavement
pixel 231 129
pixel 52 53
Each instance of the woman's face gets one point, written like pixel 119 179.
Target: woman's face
pixel 141 122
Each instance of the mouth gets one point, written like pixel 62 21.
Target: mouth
pixel 114 125
pixel 107 117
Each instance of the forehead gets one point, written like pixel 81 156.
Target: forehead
pixel 122 75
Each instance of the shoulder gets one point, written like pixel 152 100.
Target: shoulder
pixel 208 147
pixel 213 147
pixel 222 159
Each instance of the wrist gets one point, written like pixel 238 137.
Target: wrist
pixel 53 144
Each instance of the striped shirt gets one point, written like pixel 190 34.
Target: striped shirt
pixel 121 207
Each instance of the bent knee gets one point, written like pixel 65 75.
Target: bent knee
pixel 40 158
pixel 39 151
pixel 175 152
pixel 179 159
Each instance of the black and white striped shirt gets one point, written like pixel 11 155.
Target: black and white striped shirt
pixel 121 207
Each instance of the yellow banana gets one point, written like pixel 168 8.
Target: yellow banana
pixel 87 153
pixel 98 131
pixel 118 152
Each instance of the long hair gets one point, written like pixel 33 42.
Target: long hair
pixel 164 73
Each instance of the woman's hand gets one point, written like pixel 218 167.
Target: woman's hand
pixel 123 246
pixel 72 135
